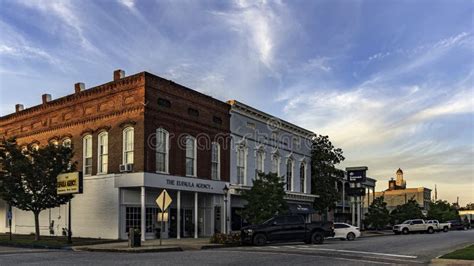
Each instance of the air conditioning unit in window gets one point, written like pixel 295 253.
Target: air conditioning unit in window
pixel 126 167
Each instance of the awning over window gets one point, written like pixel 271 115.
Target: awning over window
pixel 300 208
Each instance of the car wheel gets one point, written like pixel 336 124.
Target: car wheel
pixel 317 238
pixel 351 236
pixel 445 229
pixel 430 230
pixel 405 231
pixel 259 240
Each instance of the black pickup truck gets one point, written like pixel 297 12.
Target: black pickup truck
pixel 287 228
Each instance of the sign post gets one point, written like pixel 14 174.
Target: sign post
pixel 163 201
pixel 356 176
pixel 67 184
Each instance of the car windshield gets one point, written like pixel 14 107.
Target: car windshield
pixel 406 222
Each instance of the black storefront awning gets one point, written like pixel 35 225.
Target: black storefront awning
pixel 300 208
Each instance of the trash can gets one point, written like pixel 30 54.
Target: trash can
pixel 134 238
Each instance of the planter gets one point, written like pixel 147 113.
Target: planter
pixel 134 238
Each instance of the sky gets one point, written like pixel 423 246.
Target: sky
pixel 390 82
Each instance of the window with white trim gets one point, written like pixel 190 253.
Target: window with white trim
pixel 260 160
pixel 276 164
pixel 67 142
pixel 190 156
pixel 103 153
pixel 215 161
pixel 289 174
pixel 241 165
pixel 87 155
pixel 128 140
pixel 162 150
pixel 302 177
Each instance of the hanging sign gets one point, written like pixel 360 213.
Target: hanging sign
pixel 69 183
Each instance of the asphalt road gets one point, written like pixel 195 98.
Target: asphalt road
pixel 381 250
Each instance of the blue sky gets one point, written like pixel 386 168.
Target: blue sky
pixel 391 82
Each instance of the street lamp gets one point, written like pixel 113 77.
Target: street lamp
pixel 226 190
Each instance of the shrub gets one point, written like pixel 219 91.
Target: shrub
pixel 232 239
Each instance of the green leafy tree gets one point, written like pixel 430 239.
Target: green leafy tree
pixel 28 177
pixel 442 211
pixel 324 157
pixel 265 199
pixel 407 211
pixel 378 215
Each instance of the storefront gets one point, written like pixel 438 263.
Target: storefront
pixel 196 210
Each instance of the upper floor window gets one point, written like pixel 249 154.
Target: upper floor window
pixel 289 174
pixel 260 162
pixel 302 177
pixel 67 142
pixel 103 153
pixel 162 148
pixel 164 102
pixel 87 155
pixel 128 139
pixel 215 161
pixel 193 112
pixel 276 164
pixel 35 146
pixel 191 156
pixel 217 120
pixel 54 142
pixel 241 164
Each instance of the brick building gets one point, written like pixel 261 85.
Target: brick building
pixel 132 137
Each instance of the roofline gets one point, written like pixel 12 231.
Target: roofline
pixel 268 116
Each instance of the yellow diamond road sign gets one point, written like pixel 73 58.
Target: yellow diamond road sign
pixel 164 200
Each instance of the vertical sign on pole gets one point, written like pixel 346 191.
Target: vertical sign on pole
pixel 67 184
pixel 163 201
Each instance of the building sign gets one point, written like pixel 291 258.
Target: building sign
pixel 188 184
pixel 356 174
pixel 69 183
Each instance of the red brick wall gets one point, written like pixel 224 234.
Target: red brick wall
pixel 178 122
pixel 116 104
pixel 106 107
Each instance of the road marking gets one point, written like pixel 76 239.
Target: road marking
pixel 309 254
pixel 364 252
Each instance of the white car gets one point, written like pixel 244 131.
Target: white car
pixel 346 231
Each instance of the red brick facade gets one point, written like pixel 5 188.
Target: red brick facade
pixel 128 101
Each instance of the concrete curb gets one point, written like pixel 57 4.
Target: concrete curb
pixel 16 245
pixel 451 262
pixel 128 250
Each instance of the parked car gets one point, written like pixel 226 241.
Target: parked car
pixel 415 225
pixel 345 231
pixel 438 227
pixel 459 225
pixel 287 228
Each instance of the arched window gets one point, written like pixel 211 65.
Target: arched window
pixel 215 161
pixel 87 155
pixel 241 164
pixel 54 142
pixel 103 152
pixel 35 146
pixel 191 153
pixel 128 136
pixel 276 164
pixel 67 142
pixel 289 174
pixel 302 177
pixel 260 162
pixel 162 150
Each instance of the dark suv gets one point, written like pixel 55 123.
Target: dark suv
pixel 287 228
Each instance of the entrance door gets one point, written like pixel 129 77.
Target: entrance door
pixel 187 223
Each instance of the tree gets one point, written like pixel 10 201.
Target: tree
pixel 378 215
pixel 442 211
pixel 265 199
pixel 407 211
pixel 28 176
pixel 324 157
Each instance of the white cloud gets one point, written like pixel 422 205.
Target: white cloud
pixel 67 13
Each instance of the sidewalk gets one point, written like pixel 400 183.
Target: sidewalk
pixel 153 245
